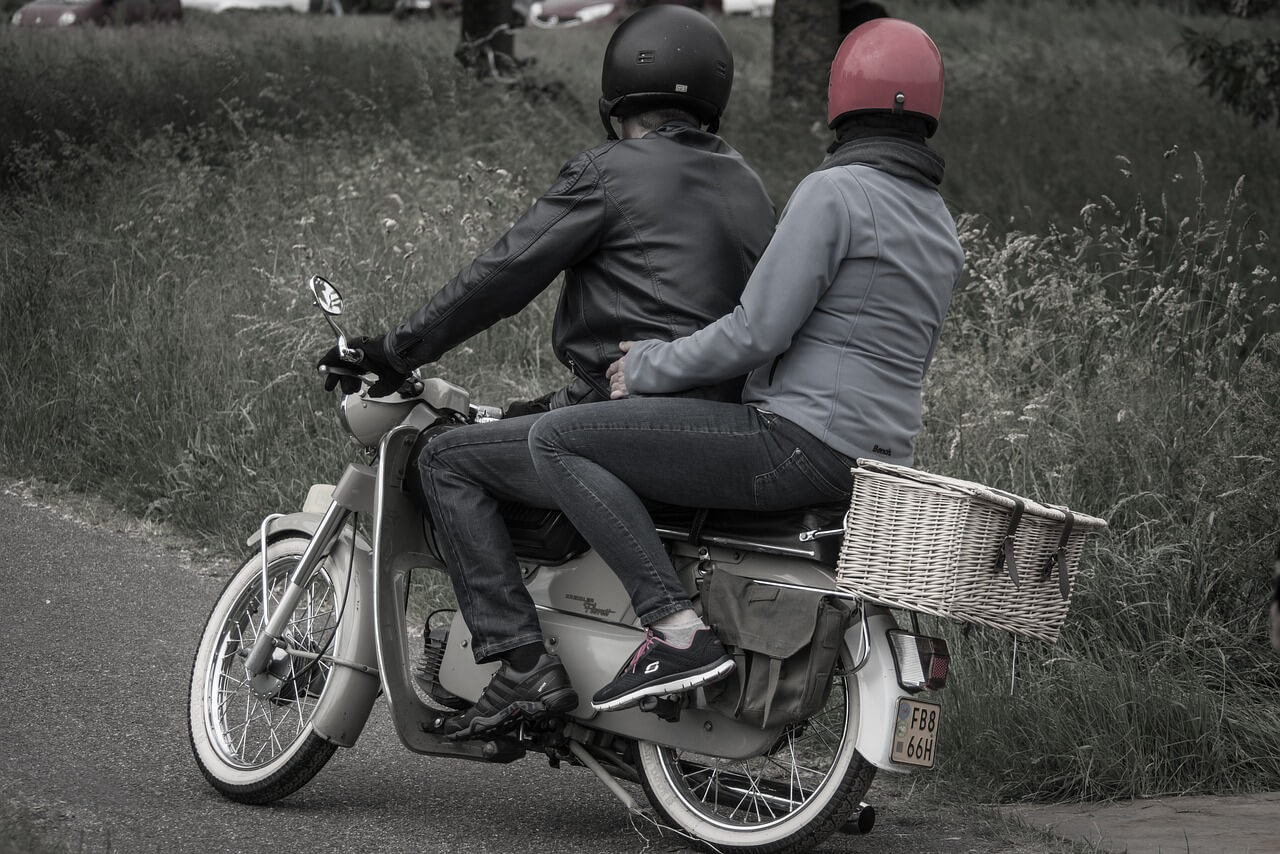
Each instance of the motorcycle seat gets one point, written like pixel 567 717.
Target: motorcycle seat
pixel 547 536
pixel 773 532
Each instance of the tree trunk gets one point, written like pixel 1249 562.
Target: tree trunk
pixel 806 34
pixel 488 44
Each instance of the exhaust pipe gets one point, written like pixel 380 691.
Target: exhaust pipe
pixel 861 822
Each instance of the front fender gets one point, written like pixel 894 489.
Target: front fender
pixel 354 682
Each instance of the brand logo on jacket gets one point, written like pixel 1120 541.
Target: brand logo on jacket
pixel 876 449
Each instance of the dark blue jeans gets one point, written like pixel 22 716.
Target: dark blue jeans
pixel 466 474
pixel 600 461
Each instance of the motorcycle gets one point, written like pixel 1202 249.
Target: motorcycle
pixel 313 627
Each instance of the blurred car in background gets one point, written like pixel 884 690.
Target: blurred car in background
pixel 69 13
pixel 319 7
pixel 754 8
pixel 551 14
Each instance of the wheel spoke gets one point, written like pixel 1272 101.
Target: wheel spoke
pixel 251 728
pixel 745 796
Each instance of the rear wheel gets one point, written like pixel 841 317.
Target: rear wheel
pixel 253 739
pixel 808 783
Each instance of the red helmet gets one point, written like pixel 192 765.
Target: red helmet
pixel 886 66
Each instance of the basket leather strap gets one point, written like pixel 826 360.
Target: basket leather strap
pixel 1059 558
pixel 1005 556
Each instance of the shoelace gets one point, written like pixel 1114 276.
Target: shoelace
pixel 650 639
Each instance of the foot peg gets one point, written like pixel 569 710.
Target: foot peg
pixel 666 707
pixel 525 716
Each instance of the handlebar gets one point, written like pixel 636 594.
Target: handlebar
pixel 412 386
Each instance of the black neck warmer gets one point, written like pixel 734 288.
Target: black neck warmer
pixel 888 146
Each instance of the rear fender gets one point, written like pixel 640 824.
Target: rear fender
pixel 878 688
pixel 354 682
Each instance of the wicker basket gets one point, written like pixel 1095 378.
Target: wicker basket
pixel 958 549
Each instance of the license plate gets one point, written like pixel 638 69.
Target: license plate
pixel 915 733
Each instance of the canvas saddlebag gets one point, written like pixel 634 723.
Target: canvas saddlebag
pixel 786 644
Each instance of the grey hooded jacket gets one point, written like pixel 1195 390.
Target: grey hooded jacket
pixel 842 315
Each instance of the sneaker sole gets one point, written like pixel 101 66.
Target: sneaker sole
pixel 684 682
pixel 555 703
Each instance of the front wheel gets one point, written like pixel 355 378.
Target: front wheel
pixel 254 740
pixel 801 790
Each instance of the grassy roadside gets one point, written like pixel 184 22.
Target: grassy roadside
pixel 166 192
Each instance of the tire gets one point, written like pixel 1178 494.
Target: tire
pixel 253 747
pixel 808 784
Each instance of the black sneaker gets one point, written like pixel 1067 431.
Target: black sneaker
pixel 658 668
pixel 512 696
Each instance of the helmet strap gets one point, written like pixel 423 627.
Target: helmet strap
pixel 606 117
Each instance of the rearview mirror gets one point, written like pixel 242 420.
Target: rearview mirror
pixel 326 295
pixel 329 301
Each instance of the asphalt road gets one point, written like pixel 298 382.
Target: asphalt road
pixel 98 624
pixel 97 630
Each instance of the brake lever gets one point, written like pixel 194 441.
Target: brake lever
pixel 341 372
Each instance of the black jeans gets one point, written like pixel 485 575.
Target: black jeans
pixel 466 475
pixel 599 461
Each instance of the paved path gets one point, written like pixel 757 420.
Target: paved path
pixel 1193 825
pixel 97 629
pixel 98 623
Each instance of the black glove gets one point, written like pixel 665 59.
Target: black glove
pixel 517 408
pixel 373 361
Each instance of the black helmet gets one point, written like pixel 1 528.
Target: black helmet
pixel 664 56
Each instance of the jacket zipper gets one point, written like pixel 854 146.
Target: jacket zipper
pixel 585 377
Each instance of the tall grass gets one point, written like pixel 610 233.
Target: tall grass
pixel 1111 367
pixel 166 192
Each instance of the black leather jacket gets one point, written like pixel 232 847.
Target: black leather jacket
pixel 656 238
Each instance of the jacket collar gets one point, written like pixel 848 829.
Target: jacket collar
pixel 902 155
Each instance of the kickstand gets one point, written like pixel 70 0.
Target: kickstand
pixel 605 777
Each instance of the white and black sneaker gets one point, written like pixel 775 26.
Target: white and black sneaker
pixel 657 667
pixel 513 696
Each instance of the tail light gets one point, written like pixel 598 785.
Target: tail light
pixel 922 662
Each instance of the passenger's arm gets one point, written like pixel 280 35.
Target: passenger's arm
pixel 796 268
